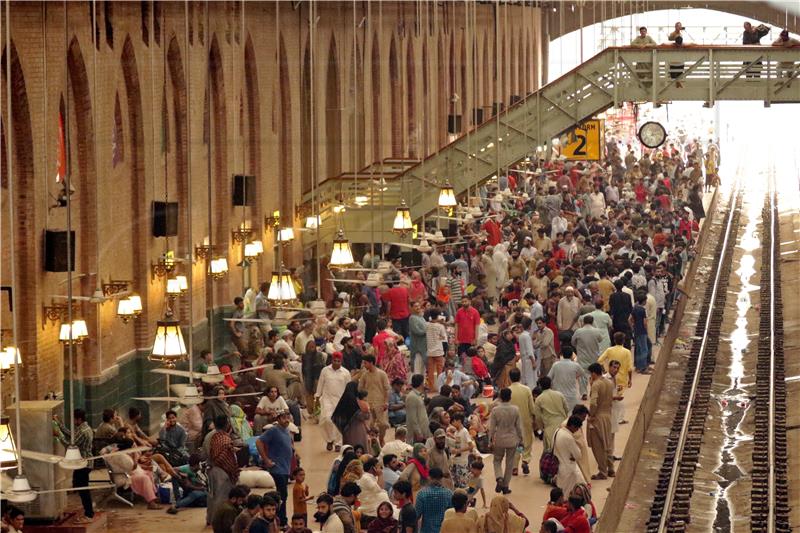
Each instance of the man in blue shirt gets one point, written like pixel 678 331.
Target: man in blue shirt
pixel 275 449
pixel 638 321
pixel 173 435
pixel 397 404
pixel 432 502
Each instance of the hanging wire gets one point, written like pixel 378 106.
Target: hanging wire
pixel 190 276
pixel 98 281
pixel 207 59
pixel 13 229
pixel 70 244
pixel 312 25
pixel 44 114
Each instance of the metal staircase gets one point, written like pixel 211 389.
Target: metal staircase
pixel 615 75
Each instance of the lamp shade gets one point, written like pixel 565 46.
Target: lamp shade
pixel 402 219
pixel 341 255
pixel 136 303
pixel 125 309
pixel 9 357
pixel 447 196
pixel 8 449
pixel 73 333
pixel 218 267
pixel 258 246
pixel 250 250
pixel 173 287
pixel 168 344
pixel 361 200
pixel 313 222
pixel 281 288
pixel 183 281
pixel 286 234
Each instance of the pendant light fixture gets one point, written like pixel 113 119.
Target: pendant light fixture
pixel 281 288
pixel 168 347
pixel 447 196
pixel 341 254
pixel 402 219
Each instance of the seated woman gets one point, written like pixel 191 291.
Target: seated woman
pixel 140 480
pixel 502 517
pixel 385 521
pixel 267 409
pixel 582 491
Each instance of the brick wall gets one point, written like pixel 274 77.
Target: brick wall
pixel 253 77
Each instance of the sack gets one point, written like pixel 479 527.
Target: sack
pixel 482 443
pixel 548 467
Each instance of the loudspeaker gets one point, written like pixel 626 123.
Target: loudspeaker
pixel 244 190
pixel 165 219
pixel 453 124
pixel 477 115
pixel 55 251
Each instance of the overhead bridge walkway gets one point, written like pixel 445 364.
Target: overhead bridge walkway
pixel 615 75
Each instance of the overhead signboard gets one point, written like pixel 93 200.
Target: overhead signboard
pixel 585 142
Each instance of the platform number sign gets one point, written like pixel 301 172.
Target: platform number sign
pixel 585 142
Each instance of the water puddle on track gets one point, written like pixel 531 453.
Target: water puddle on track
pixel 735 401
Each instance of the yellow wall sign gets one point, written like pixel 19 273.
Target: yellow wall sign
pixel 585 142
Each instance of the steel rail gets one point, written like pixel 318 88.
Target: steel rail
pixel 687 415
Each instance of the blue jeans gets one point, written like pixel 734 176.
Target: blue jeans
pixel 641 353
pixel 195 498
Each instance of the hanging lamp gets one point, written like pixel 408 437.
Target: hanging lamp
pixel 402 219
pixel 168 346
pixel 447 196
pixel 341 255
pixel 281 288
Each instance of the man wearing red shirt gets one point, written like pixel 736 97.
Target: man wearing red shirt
pixel 396 300
pixel 467 321
pixel 492 229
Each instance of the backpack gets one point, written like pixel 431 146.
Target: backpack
pixel 548 464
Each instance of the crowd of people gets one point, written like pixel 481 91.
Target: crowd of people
pixel 531 326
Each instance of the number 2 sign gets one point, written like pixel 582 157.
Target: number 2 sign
pixel 584 142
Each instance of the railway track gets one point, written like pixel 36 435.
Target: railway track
pixel 770 498
pixel 669 511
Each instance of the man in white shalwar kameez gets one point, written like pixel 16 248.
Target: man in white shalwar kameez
pixel 568 453
pixel 330 387
pixel 500 260
pixel 527 354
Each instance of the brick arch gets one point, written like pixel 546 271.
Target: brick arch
pixel 441 94
pixel 462 90
pixel 81 130
pixel 137 178
pixel 333 114
pixel 179 107
pixel 396 101
pixel 221 204
pixel 376 98
pixel 486 92
pixel 306 154
pixel 359 152
pixel 26 257
pixel 285 134
pixel 253 108
pixel 425 103
pixel 411 112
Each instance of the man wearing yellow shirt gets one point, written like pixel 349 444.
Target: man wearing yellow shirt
pixel 618 362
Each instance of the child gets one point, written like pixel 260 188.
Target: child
pixel 557 506
pixel 475 483
pixel 300 494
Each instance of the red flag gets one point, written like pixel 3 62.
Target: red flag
pixel 61 175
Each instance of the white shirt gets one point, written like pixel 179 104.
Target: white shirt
pixel 282 345
pixel 372 494
pixel 331 384
pixel 337 339
pixel 333 524
pixel 462 439
pixel 278 405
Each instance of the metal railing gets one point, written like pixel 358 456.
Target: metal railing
pixel 615 75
